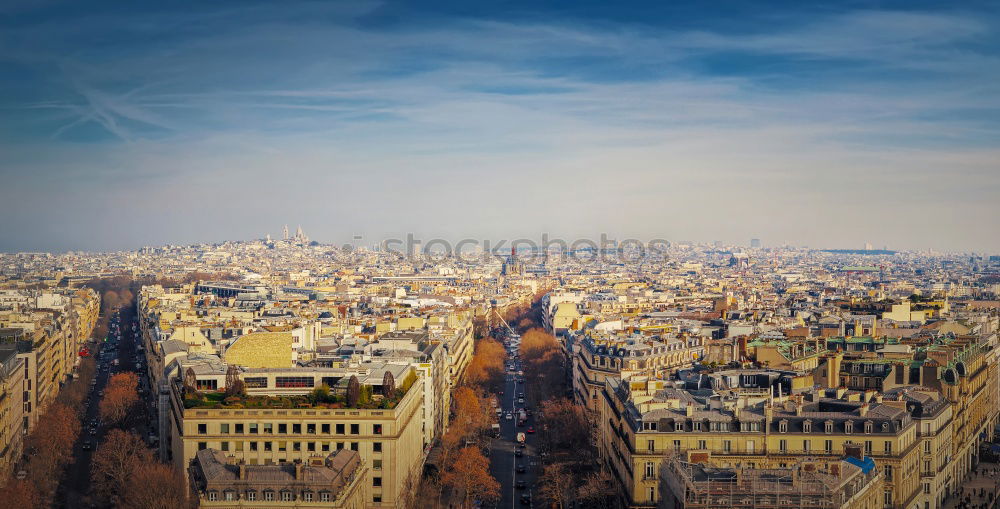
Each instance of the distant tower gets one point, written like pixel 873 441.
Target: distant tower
pixel 755 243
pixel 298 232
pixel 284 231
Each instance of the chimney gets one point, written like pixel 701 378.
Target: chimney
pixel 690 409
pixel 298 470
pixel 833 370
pixel 854 451
pixel 863 410
pixel 243 471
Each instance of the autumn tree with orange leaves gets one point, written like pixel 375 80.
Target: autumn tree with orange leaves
pixel 120 397
pixel 472 415
pixel 469 477
pixel 542 357
pixel 487 366
pixel 154 485
pixel 50 448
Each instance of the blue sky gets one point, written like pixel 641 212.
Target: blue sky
pixel 129 124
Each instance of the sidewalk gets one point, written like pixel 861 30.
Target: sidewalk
pixel 986 480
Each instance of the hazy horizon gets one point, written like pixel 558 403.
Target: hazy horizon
pixel 127 125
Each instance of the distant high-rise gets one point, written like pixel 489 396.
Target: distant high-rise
pixel 755 243
pixel 284 232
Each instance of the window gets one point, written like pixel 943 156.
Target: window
pixel 282 446
pixel 213 496
pixel 268 428
pixel 282 428
pixel 269 495
pixel 807 426
pixel 325 446
pixel 324 497
pixel 727 445
pixel 649 469
pixel 286 496
pixel 307 496
pixel 376 447
pixel 340 429
pixel 224 428
pixel 253 446
pixel 783 426
pixel 251 495
pixel 702 444
pixel 311 446
pixel 225 446
pixel 868 447
pixel 296 446
pixel 806 445
pixel 255 382
pixel 203 429
pixel 376 429
pixel 888 472
pixel 229 495
pixel 782 445
pixel 239 429
pixel 209 385
pixel 340 445
pixel 888 447
pixel 650 445
pixel 849 427
pixel 377 464
pixel 887 498
pixel 377 498
pixel 828 445
pixel 267 446
pixel 927 447
pixel 652 494
pixel 296 429
pixel 202 446
pixel 354 446
pixel 239 446
pixel 868 427
pixel 927 487
pixel 829 426
pixel 376 481
pixel 678 426
pixel 677 445
pixel 311 429
pixel 294 381
pixel 253 428
pixel 325 429
pixel 355 429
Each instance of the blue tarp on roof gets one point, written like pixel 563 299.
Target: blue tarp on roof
pixel 866 465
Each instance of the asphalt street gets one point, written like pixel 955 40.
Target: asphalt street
pixel 504 461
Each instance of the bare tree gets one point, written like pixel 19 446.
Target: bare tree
pixel 115 462
pixel 234 384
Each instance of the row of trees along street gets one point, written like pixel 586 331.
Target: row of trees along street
pixel 571 472
pixel 123 472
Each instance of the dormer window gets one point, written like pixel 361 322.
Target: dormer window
pixel 849 427
pixel 829 426
pixel 783 426
pixel 807 426
pixel 868 426
pixel 885 426
pixel 678 426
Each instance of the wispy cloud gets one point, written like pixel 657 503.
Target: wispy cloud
pixel 584 110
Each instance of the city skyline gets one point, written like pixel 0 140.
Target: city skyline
pixel 131 125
